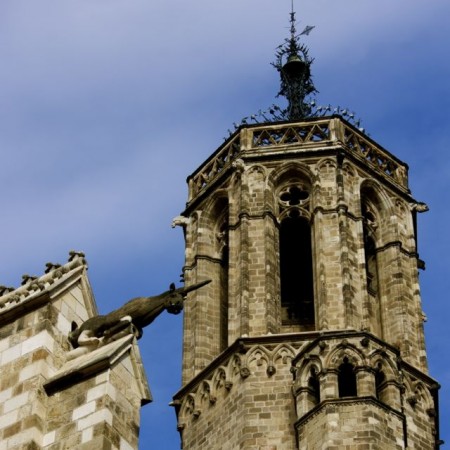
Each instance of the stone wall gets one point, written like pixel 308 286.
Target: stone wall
pixel 354 197
pixel 52 397
pixel 337 185
pixel 356 424
pixel 392 405
pixel 243 401
pixel 258 395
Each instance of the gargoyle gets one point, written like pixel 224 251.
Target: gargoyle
pixel 180 221
pixel 140 312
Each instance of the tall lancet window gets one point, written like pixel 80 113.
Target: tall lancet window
pixel 347 379
pixel 223 251
pixel 296 264
pixel 372 212
pixel 369 227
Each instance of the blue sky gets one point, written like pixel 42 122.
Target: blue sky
pixel 107 106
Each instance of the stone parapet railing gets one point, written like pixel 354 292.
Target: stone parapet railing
pixel 34 286
pixel 311 134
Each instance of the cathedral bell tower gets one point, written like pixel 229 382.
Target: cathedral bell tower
pixel 310 335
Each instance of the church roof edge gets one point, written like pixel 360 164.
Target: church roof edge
pixel 34 286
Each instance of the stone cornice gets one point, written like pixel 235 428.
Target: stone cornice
pixel 97 361
pixel 429 381
pixel 36 291
pixel 248 216
pixel 343 402
pixel 310 137
pixel 243 344
pixel 346 334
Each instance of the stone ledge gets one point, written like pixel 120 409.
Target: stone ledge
pixel 344 402
pixel 90 364
pixel 39 291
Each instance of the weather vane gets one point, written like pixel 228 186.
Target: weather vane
pixel 292 19
pixel 294 66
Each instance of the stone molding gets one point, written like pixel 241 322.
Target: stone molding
pixel 317 348
pixel 233 365
pixel 305 137
pixel 95 362
pixel 342 402
pixel 36 291
pixel 238 363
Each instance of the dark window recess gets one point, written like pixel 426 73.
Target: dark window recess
pixel 347 380
pixel 314 387
pixel 370 251
pixel 379 380
pixel 224 268
pixel 371 265
pixel 297 294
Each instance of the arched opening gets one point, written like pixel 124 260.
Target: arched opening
pixel 347 379
pixel 370 225
pixel 222 237
pixel 296 271
pixel 371 264
pixel 314 387
pixel 380 378
pixel 370 207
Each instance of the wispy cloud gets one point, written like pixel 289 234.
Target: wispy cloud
pixel 106 107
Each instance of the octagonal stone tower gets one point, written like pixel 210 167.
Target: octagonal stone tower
pixel 310 335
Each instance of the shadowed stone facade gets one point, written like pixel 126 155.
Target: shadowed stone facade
pixel 311 334
pixel 51 398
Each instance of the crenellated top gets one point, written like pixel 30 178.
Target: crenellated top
pixel 33 286
pixel 312 135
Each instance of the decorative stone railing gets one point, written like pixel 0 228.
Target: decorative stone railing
pixel 214 165
pixel 375 155
pixel 310 134
pixel 32 286
pixel 240 361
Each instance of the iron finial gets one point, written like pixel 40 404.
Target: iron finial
pixel 293 64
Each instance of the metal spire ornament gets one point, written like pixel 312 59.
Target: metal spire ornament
pixel 294 66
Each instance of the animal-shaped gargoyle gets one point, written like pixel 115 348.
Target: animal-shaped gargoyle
pixel 140 312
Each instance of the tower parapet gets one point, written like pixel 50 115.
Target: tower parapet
pixel 312 134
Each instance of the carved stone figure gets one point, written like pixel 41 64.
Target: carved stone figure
pixel 420 207
pixel 180 221
pixel 140 312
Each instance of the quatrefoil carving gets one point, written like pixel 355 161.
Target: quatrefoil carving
pixel 293 195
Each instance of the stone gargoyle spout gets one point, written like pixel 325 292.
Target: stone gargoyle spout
pixel 140 312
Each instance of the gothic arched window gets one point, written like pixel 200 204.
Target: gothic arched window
pixel 347 379
pixel 223 250
pixel 379 380
pixel 314 387
pixel 369 227
pixel 371 264
pixel 372 213
pixel 296 263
